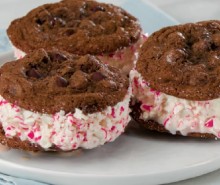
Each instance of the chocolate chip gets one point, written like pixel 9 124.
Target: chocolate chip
pixel 58 57
pixel 213 46
pixel 39 21
pixel 61 82
pixel 45 60
pixel 69 32
pixel 33 73
pixel 97 76
pixel 98 8
pixel 90 108
pixel 78 80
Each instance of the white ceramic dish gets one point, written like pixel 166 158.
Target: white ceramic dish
pixel 135 158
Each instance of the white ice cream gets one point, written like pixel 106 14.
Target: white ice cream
pixel 176 114
pixel 65 131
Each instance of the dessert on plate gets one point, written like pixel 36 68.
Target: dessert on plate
pixel 56 101
pixel 80 27
pixel 176 82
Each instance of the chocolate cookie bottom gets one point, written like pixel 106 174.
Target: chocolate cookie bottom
pixel 16 143
pixel 154 126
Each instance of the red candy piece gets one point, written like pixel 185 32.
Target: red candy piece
pixel 147 107
pixel 31 135
pixel 210 123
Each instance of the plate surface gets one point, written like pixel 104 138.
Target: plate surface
pixel 136 158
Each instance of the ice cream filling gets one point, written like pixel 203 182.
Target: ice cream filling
pixel 66 131
pixel 176 114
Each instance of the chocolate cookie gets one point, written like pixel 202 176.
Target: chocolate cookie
pixel 183 60
pixel 79 27
pixel 176 82
pixel 58 100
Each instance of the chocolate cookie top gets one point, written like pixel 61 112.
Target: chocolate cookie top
pixel 184 60
pixel 53 81
pixel 77 26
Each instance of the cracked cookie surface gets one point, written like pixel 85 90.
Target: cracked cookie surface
pixel 183 60
pixel 79 27
pixel 50 81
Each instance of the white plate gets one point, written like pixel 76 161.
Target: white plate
pixel 135 158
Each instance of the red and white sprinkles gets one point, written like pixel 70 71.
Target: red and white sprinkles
pixel 65 131
pixel 176 114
